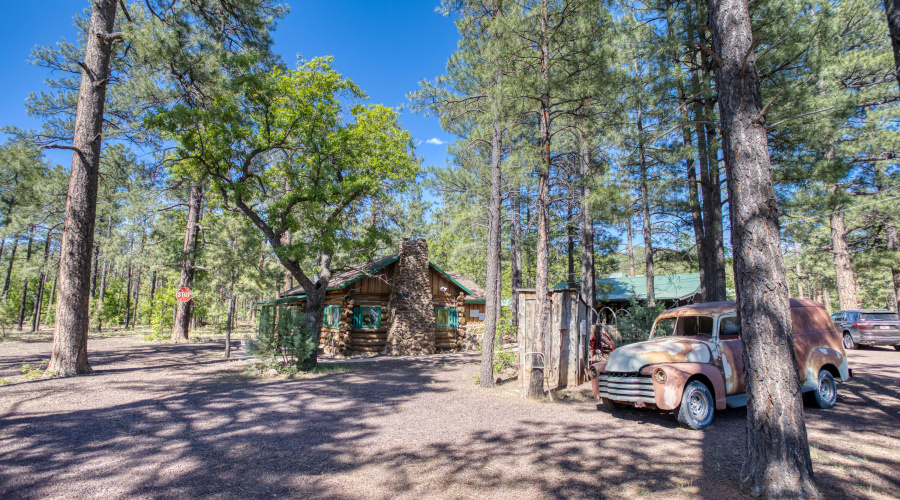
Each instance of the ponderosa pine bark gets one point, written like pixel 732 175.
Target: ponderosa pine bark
pixel 630 234
pixel 588 275
pixel 491 309
pixel 645 212
pixel 21 318
pixel 72 305
pixel 181 329
pixel 846 281
pixel 12 258
pixel 515 248
pixel 42 281
pixel 892 9
pixel 542 265
pixel 778 463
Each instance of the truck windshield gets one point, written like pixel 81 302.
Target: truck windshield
pixel 664 327
pixel 887 316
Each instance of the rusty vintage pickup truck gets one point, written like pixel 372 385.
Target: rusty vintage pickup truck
pixel 693 363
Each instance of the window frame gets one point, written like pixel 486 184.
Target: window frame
pixel 358 315
pixel 452 317
pixel 337 316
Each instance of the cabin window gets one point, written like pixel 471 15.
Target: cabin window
pixel 332 318
pixel 366 318
pixel 445 317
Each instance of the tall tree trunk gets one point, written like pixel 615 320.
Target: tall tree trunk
pixel 72 305
pixel 892 9
pixel 846 282
pixel 570 239
pixel 101 294
pixel 152 293
pixel 645 212
pixel 630 246
pixel 39 297
pixel 800 291
pixel 713 276
pixel 492 312
pixel 538 343
pixel 137 297
pixel 778 463
pixel 189 253
pixel 12 258
pixel 21 319
pixel 229 323
pixel 96 271
pixel 515 246
pixel 588 274
pixel 700 240
pixel 128 289
pixel 52 297
pixel 890 231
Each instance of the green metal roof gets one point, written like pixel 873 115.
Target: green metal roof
pixel 666 287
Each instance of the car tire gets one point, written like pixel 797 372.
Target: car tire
pixel 825 395
pixel 610 405
pixel 697 406
pixel 849 343
pixel 897 347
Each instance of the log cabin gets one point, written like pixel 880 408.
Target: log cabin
pixel 398 305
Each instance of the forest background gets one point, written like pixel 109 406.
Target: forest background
pixel 629 154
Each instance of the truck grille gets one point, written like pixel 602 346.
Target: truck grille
pixel 626 387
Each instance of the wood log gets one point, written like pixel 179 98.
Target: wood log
pixel 362 349
pixel 370 335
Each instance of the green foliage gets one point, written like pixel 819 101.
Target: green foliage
pixel 635 324
pixel 34 372
pixel 284 338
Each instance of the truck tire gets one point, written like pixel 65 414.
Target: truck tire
pixel 697 406
pixel 848 342
pixel 825 395
pixel 897 347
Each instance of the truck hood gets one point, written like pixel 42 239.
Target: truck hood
pixel 632 357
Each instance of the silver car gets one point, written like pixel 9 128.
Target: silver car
pixel 868 327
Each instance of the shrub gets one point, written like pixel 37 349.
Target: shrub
pixel 284 341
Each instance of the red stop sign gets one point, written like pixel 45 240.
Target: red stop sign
pixel 184 294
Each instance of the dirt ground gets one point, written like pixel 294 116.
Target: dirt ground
pixel 177 421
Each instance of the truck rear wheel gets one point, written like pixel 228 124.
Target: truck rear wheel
pixel 697 406
pixel 825 395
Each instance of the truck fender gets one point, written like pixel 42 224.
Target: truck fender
pixel 596 369
pixel 668 394
pixel 819 357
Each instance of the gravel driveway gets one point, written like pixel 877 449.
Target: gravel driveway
pixel 177 421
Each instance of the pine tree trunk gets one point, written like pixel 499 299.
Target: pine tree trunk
pixel 542 267
pixel 189 251
pixel 51 298
pixel 229 324
pixel 21 317
pixel 492 312
pixel 101 294
pixel 588 274
pixel 128 284
pixel 72 305
pixel 778 463
pixel 892 9
pixel 645 212
pixel 515 246
pixel 12 258
pixel 570 239
pixel 630 234
pixel 137 297
pixel 846 282
pixel 39 298
pixel 94 274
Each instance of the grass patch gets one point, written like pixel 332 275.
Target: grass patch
pixel 4 381
pixel 34 372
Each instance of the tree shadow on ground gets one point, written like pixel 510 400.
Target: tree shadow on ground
pixel 395 428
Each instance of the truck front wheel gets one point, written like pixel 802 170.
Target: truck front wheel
pixel 825 396
pixel 697 406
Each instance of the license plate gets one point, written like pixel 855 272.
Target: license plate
pixel 885 327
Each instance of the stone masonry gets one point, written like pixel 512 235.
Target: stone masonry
pixel 411 329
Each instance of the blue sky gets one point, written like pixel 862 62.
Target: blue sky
pixel 385 47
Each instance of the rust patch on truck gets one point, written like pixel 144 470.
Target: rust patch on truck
pixel 668 393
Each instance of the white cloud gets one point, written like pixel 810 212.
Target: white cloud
pixel 435 141
pixel 418 143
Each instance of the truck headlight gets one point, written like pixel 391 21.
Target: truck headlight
pixel 660 376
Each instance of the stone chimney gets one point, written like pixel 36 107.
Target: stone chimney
pixel 411 308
